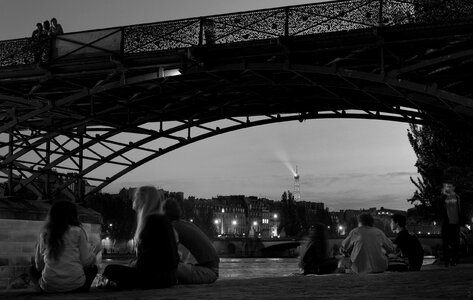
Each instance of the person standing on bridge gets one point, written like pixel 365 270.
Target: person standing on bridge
pixel 367 247
pixel 56 28
pixel 156 260
pixel 37 42
pixel 199 261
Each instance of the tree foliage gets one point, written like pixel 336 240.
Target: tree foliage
pixel 289 220
pixel 442 155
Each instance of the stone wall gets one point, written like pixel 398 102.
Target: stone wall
pixel 20 225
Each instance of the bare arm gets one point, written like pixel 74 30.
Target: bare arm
pixel 87 256
pixel 38 257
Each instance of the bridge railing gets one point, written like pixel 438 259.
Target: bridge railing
pixel 254 25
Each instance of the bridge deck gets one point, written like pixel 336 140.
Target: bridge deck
pixel 434 282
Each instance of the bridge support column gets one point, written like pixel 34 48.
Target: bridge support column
pixel 10 165
pixel 80 181
pixel 47 188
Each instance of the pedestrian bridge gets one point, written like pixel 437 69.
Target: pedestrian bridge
pixel 103 102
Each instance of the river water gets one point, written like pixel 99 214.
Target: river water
pixel 246 268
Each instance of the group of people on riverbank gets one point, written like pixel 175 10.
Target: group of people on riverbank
pixel 366 249
pixel 169 250
pixel 41 37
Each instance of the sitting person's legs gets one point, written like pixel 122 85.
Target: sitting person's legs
pixel 124 277
pixel 90 273
pixel 193 274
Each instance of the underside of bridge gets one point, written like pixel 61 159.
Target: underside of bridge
pixel 91 117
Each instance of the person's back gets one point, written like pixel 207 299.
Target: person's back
pixel 411 248
pixel 199 245
pixel 157 253
pixel 65 273
pixel 314 257
pixel 367 255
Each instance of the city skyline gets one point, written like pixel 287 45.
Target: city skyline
pixel 343 163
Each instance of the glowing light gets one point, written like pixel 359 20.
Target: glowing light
pixel 275 216
pixel 191 220
pixel 168 73
pixel 223 210
pixel 255 223
pixel 419 232
pixel 110 224
pixel 234 222
pixel 216 221
pixel 340 227
pixel 428 233
pixel 468 226
pixel 107 238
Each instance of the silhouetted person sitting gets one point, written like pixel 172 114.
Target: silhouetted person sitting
pixel 408 244
pixel 315 253
pixel 367 246
pixel 156 249
pixel 199 259
pixel 64 261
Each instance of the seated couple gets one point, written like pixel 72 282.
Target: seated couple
pixel 64 261
pixel 365 249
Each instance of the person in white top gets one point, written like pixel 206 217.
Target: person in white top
pixel 64 260
pixel 367 247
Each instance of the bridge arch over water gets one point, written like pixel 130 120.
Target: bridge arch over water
pixel 106 98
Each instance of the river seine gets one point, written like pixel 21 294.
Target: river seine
pixel 245 268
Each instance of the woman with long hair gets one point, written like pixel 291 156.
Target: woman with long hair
pixel 64 260
pixel 315 254
pixel 156 247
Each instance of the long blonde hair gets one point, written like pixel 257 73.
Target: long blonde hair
pixel 147 201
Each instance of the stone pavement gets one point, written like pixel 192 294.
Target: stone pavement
pixel 433 282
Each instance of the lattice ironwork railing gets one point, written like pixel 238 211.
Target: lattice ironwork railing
pixel 265 24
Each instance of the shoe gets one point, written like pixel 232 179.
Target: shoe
pixel 104 283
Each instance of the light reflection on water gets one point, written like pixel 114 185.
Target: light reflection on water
pixel 246 268
pixel 239 268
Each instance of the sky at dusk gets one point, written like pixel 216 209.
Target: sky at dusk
pixel 343 163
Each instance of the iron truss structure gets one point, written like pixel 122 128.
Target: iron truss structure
pixel 101 103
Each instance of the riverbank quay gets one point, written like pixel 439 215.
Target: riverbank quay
pixel 433 282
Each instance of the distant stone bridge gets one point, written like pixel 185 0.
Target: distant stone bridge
pixel 257 247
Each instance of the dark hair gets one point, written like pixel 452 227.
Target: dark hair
pixel 366 219
pixel 62 214
pixel 399 220
pixel 172 209
pixel 46 24
pixel 53 19
pixel 39 24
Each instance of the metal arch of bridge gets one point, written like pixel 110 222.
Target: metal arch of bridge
pixel 221 90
